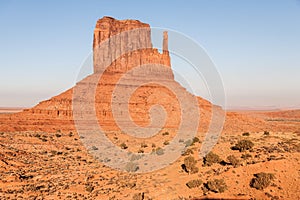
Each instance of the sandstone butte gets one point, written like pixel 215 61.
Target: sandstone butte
pixel 56 113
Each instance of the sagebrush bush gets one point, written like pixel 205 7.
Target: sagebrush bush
pixel 266 133
pixel 131 167
pixel 246 134
pixel 144 145
pixel 234 161
pixel 195 140
pixel 159 151
pixel 123 146
pixel 243 145
pixel 141 151
pixel 188 143
pixel 138 196
pixel 165 133
pixel 189 165
pixel 262 180
pixel 188 152
pixel 246 156
pixel 216 185
pixel 194 183
pixel 211 158
pixel 89 188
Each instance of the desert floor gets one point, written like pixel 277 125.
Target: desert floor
pixel 40 165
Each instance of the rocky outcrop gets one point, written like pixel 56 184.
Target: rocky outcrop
pixel 119 46
pixel 115 38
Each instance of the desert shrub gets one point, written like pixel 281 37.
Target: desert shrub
pixel 211 158
pixel 246 134
pixel 195 140
pixel 58 135
pixel 246 156
pixel 243 145
pixel 89 188
pixel 138 196
pixel 141 151
pixel 68 148
pixel 216 185
pixel 94 148
pixel 123 146
pixel 187 152
pixel 266 133
pixel 262 180
pixel 165 133
pixel 153 145
pixel 189 161
pixel 135 157
pixel 131 167
pixel 53 152
pixel 234 161
pixel 189 165
pixel 188 143
pixel 144 145
pixel 166 142
pixel 194 183
pixel 159 151
pixel 71 134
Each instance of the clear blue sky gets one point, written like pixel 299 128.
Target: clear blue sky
pixel 255 44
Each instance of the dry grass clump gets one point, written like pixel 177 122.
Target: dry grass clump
pixel 246 156
pixel 188 152
pixel 194 183
pixel 189 165
pixel 216 185
pixel 131 167
pixel 123 146
pixel 266 133
pixel 234 161
pixel 211 158
pixel 138 196
pixel 243 145
pixel 159 151
pixel 262 180
pixel 246 134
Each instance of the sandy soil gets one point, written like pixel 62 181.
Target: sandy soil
pixel 40 165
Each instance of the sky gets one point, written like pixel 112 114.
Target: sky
pixel 254 44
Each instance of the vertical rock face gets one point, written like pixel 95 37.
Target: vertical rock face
pixel 130 39
pixel 165 43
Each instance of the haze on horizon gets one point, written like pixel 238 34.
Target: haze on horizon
pixel 255 45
